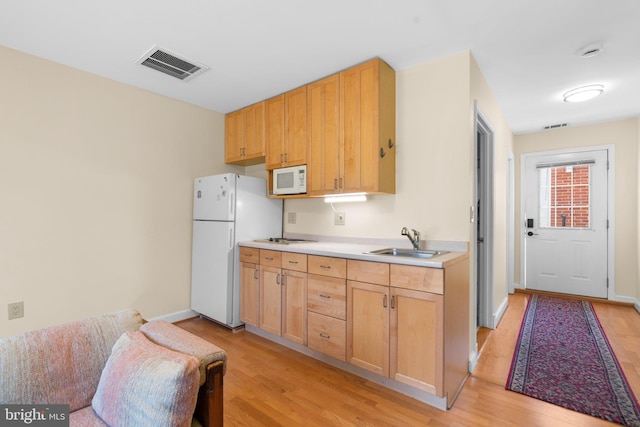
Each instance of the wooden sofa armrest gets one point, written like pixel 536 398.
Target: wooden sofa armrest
pixel 209 408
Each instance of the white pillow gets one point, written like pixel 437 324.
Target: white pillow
pixel 144 384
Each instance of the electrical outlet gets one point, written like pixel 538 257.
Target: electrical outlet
pixel 291 218
pixel 339 218
pixel 16 310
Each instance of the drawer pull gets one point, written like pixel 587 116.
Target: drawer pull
pixel 325 336
pixel 325 267
pixel 325 296
pixel 268 258
pixel 293 262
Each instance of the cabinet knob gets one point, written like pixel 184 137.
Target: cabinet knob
pixel 390 143
pixel 382 152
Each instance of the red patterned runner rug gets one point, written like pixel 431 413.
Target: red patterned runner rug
pixel 563 357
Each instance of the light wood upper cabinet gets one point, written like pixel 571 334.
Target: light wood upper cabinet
pixel 351 127
pixel 286 129
pixel 245 135
pixel 324 166
pixel 368 124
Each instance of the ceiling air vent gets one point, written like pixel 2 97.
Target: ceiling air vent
pixel 169 63
pixel 559 125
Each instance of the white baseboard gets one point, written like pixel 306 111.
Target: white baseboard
pixel 473 361
pixel 176 316
pixel 497 316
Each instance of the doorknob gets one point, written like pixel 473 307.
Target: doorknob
pixel 531 233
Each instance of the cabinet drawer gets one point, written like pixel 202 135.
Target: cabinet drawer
pixel 327 295
pixel 418 278
pixel 250 255
pixel 368 272
pixel 327 266
pixel 327 335
pixel 270 258
pixel 293 261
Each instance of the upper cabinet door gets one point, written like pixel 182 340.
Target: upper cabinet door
pixel 234 136
pixel 295 123
pixel 324 171
pixel 254 139
pixel 274 127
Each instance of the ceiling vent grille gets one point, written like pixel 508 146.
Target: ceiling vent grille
pixel 169 63
pixel 559 125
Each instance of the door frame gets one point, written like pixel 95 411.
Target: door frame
pixel 610 149
pixel 483 286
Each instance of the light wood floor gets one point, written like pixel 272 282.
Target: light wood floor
pixel 269 385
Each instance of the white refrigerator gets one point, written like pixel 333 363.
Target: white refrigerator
pixel 227 209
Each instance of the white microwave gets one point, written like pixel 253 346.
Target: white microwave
pixel 291 180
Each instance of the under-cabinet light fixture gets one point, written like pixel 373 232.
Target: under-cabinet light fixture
pixel 347 197
pixel 583 93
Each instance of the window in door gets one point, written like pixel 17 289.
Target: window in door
pixel 564 196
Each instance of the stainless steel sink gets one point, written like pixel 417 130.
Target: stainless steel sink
pixel 413 253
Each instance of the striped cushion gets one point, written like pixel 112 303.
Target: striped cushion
pixel 144 384
pixel 61 364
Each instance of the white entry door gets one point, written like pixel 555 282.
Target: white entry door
pixel 565 230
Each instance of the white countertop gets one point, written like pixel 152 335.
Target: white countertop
pixel 357 248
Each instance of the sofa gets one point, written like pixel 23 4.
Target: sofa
pixel 116 369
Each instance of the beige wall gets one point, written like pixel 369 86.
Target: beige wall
pixel 624 135
pixel 96 183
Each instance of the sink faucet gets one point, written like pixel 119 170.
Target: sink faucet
pixel 415 240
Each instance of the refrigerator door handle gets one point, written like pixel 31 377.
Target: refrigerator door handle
pixel 232 204
pixel 231 238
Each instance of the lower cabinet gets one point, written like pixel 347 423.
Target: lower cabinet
pixel 416 339
pixel 250 286
pixel 399 321
pixel 396 333
pixel 327 335
pixel 327 306
pixel 283 294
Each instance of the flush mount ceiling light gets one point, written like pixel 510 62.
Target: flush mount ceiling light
pixel 583 93
pixel 349 197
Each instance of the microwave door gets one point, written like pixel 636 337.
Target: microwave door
pixel 284 182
